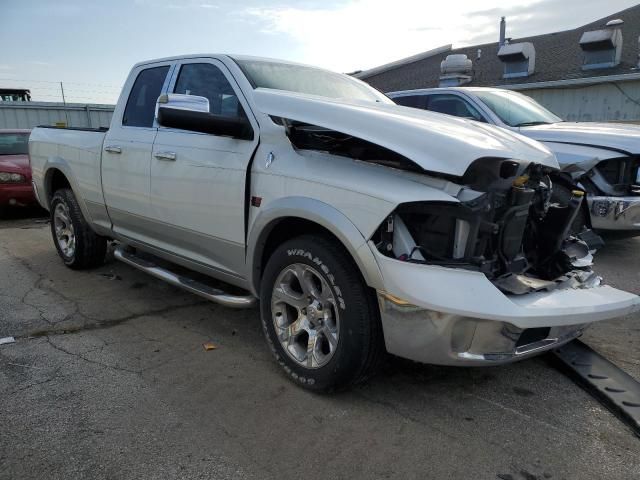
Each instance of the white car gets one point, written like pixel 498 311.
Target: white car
pixel 359 225
pixel 603 157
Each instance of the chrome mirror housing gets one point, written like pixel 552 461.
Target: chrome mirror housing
pixel 179 101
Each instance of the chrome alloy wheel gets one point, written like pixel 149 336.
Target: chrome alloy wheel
pixel 65 235
pixel 305 315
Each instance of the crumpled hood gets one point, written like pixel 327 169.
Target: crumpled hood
pixel 616 136
pixel 437 143
pixel 14 164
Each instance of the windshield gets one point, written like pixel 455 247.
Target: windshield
pixel 308 80
pixel 14 143
pixel 515 109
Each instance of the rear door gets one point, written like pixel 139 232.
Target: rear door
pixel 126 157
pixel 198 179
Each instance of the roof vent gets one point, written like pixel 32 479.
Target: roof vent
pixel 614 23
pixel 602 48
pixel 455 70
pixel 519 59
pixel 503 31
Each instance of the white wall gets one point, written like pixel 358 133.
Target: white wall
pixel 32 114
pixel 594 103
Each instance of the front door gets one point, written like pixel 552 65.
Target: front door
pixel 198 180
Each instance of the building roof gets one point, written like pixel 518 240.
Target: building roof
pixel 558 57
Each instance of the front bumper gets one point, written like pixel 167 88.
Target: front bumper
pixel 451 316
pixel 16 194
pixel 439 338
pixel 614 213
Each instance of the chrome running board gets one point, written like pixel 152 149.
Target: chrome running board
pixel 186 283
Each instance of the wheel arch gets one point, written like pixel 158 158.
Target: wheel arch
pixel 290 217
pixel 58 175
pixel 54 180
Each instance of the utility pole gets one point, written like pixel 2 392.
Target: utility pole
pixel 64 102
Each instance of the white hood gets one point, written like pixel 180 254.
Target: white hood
pixel 616 136
pixel 437 143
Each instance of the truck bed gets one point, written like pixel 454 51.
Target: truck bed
pixel 75 152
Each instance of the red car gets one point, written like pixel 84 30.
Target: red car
pixel 15 172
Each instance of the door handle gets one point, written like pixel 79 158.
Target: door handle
pixel 165 156
pixel 112 149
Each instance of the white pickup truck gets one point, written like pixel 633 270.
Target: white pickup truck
pixel 604 158
pixel 361 226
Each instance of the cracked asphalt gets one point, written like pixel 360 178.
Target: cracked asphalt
pixel 108 379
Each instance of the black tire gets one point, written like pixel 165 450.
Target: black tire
pixel 360 343
pixel 90 248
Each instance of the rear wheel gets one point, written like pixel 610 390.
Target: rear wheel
pixel 320 319
pixel 77 244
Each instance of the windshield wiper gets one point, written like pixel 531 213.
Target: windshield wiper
pixel 531 124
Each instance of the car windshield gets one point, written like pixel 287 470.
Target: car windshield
pixel 515 109
pixel 308 80
pixel 14 143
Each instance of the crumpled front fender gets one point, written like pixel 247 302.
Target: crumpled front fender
pixel 577 160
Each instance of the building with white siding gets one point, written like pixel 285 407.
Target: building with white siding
pixel 590 73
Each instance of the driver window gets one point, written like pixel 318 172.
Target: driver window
pixel 206 80
pixel 453 105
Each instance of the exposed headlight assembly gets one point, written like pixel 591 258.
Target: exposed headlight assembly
pixel 6 177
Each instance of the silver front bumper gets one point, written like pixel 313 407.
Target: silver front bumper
pixel 439 338
pixel 614 213
pixel 451 316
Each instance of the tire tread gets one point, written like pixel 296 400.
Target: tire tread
pixel 365 304
pixel 91 248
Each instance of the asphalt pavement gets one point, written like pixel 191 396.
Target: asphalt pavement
pixel 108 379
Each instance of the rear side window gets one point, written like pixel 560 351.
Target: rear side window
pixel 206 80
pixel 453 105
pixel 415 101
pixel 141 105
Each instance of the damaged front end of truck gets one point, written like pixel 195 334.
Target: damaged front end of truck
pixel 508 219
pixel 512 222
pixel 474 254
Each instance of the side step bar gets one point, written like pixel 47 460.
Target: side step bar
pixel 193 286
pixel 614 388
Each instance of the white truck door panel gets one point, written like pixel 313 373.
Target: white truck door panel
pixel 197 180
pixel 126 157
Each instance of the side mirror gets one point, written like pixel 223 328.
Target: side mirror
pixel 192 103
pixel 191 112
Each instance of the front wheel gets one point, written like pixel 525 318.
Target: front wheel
pixel 320 319
pixel 77 244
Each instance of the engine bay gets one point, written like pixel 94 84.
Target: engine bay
pixel 617 177
pixel 513 223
